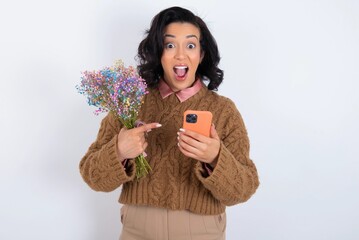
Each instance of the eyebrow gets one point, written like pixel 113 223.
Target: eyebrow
pixel 173 36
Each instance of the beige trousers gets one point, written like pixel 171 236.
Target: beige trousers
pixel 149 223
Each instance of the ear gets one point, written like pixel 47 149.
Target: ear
pixel 202 56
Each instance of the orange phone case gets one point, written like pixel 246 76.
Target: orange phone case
pixel 203 123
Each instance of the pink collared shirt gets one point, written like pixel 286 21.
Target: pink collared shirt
pixel 182 95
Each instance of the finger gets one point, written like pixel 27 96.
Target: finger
pixel 143 140
pixel 145 145
pixel 194 135
pixel 191 142
pixel 190 148
pixel 187 153
pixel 140 148
pixel 147 127
pixel 214 133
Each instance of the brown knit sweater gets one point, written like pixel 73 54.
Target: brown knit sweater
pixel 176 182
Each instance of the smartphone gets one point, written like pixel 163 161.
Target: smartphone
pixel 198 121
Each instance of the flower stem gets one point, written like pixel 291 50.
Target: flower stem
pixel 142 167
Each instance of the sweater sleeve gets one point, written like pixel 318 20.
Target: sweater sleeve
pixel 101 167
pixel 234 179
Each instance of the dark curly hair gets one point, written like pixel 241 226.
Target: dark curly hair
pixel 151 48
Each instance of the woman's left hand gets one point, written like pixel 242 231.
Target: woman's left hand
pixel 197 146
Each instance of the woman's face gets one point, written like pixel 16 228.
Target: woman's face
pixel 181 55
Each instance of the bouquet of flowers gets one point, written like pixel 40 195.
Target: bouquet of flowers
pixel 119 90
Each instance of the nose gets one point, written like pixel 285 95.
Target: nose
pixel 180 54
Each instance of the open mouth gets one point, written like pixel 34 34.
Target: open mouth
pixel 180 71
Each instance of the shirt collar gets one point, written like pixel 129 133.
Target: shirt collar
pixel 182 95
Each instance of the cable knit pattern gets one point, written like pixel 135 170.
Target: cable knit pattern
pixel 176 182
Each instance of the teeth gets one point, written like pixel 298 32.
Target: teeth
pixel 180 67
pixel 180 70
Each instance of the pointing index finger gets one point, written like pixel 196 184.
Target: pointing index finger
pixel 148 126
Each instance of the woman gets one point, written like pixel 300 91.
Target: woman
pixel 193 177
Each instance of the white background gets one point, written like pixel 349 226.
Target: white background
pixel 290 66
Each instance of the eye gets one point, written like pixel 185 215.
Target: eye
pixel 169 45
pixel 191 46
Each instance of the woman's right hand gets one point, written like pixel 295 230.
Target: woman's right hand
pixel 132 142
